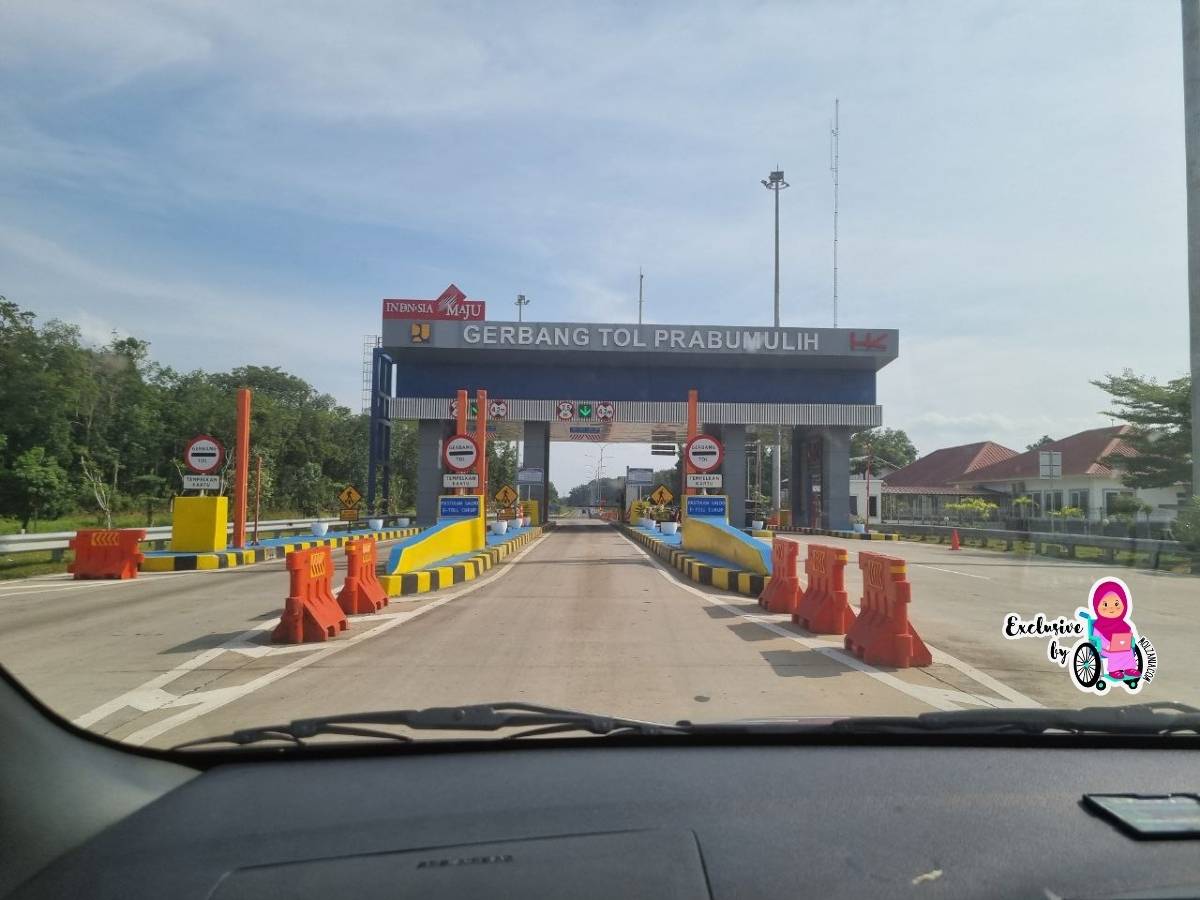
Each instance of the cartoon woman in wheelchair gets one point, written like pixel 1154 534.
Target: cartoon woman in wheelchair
pixel 1110 652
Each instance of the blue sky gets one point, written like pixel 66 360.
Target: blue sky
pixel 242 182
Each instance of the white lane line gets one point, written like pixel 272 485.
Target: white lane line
pixel 950 571
pixel 151 696
pixel 939 698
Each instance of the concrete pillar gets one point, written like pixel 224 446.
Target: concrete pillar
pixel 835 479
pixel 536 452
pixel 800 477
pixel 430 433
pixel 733 469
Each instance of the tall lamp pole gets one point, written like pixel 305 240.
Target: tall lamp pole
pixel 520 303
pixel 775 183
pixel 1191 130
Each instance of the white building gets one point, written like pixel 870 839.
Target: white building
pixel 1086 483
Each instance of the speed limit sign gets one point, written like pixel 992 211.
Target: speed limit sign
pixel 704 453
pixel 460 452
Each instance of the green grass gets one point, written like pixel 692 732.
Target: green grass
pixel 1168 562
pixel 24 565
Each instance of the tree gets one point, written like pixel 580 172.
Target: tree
pixel 885 446
pixel 1161 416
pixel 1040 442
pixel 1187 524
pixel 105 493
pixel 36 487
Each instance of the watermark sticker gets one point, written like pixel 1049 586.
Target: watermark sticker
pixel 1098 646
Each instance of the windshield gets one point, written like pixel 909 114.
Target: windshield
pixel 667 364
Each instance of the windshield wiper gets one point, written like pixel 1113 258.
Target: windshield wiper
pixel 537 720
pixel 1155 718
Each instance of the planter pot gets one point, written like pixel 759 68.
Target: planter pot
pixel 859 527
pixel 375 524
pixel 319 528
pixel 757 524
pixel 402 522
pixel 670 527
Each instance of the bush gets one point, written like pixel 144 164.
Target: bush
pixel 1187 524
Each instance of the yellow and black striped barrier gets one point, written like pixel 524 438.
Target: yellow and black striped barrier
pixel 829 532
pixel 228 559
pixel 738 580
pixel 437 577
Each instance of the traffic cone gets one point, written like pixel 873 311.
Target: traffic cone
pixel 954 539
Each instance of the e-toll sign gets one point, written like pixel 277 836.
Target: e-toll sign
pixel 704 453
pixel 460 453
pixel 203 454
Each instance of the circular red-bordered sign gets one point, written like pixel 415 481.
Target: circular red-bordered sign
pixel 203 454
pixel 460 453
pixel 704 453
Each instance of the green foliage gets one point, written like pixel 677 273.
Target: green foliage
pixel 1040 442
pixel 972 509
pixel 1128 506
pixel 884 446
pixel 1067 512
pixel 112 409
pixel 1187 525
pixel 1161 416
pixel 36 487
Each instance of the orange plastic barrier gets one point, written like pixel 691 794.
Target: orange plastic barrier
pixel 882 635
pixel 362 592
pixel 310 612
pixel 825 606
pixel 783 591
pixel 101 553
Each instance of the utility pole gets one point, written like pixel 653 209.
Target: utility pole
pixel 833 169
pixel 775 183
pixel 1191 130
pixel 520 304
pixel 640 279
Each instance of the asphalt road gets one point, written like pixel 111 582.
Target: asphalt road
pixel 582 618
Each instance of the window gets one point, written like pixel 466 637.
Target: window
pixel 872 507
pixel 854 504
pixel 1054 501
pixel 1079 499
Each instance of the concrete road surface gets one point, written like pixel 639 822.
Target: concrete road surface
pixel 582 618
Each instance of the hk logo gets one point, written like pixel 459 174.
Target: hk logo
pixel 605 411
pixel 419 333
pixel 566 410
pixel 498 409
pixel 868 341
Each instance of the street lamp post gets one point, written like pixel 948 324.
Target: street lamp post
pixel 520 303
pixel 775 183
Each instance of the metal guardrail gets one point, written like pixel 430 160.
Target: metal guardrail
pixel 1153 549
pixel 157 537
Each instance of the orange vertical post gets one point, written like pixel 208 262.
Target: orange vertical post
pixel 243 467
pixel 693 429
pixel 481 420
pixel 461 425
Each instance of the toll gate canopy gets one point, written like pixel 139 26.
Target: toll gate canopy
pixel 557 381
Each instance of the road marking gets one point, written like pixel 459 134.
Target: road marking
pixel 950 571
pixel 151 696
pixel 938 698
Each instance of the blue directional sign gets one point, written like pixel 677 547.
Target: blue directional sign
pixel 465 507
pixel 712 505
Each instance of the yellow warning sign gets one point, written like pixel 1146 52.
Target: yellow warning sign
pixel 350 496
pixel 506 495
pixel 661 495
